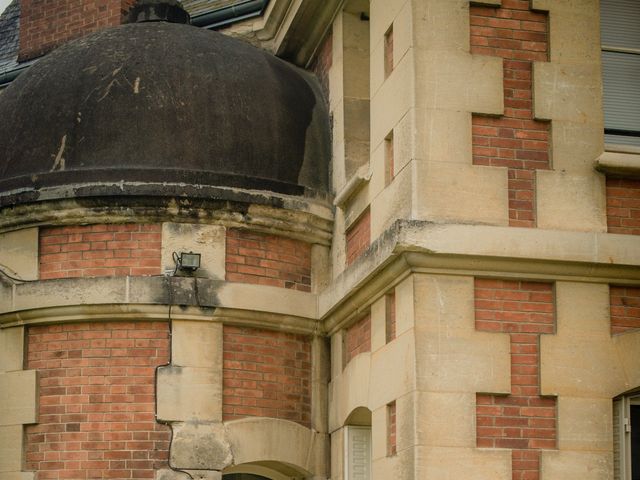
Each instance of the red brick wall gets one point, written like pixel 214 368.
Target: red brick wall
pixel 268 260
pixel 266 374
pixel 625 309
pixel 623 206
pixel 392 437
pixel 45 24
pixel 97 400
pixel 523 421
pixel 357 339
pixel 100 250
pixel 514 140
pixel 358 237
pixel 390 316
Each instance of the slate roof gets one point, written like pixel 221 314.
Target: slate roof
pixel 9 36
pixel 197 7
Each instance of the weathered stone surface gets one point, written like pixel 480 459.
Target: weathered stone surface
pixel 199 446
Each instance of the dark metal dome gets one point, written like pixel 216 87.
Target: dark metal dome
pixel 165 104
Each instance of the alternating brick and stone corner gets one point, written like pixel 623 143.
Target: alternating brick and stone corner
pixel 523 421
pixel 516 140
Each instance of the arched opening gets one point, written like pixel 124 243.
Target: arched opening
pixel 264 470
pixel 357 444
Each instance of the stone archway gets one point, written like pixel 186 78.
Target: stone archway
pixel 266 470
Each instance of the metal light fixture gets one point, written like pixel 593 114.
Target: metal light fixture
pixel 187 261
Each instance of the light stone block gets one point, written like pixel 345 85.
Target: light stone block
pixel 441 25
pixel 451 356
pixel 11 349
pixel 355 35
pixel 392 371
pixel 576 465
pixel 53 293
pixel 19 253
pixel 446 419
pixel 442 82
pixel 257 439
pixel 448 192
pixel 402 32
pixel 574 29
pixel 392 101
pixel 18 475
pixel 399 467
pixel 207 240
pixel 337 454
pixel 580 360
pixel 10 449
pixel 382 14
pixel 196 344
pixel 627 347
pixel 404 306
pixel 446 138
pixel 379 431
pixel 585 424
pixel 567 92
pixel 199 446
pixel 402 154
pixel 189 394
pixel 448 463
pixel 336 353
pixel 568 201
pixel 349 390
pixel 576 145
pixel 392 203
pixel 18 397
pixel 378 324
pixel 263 298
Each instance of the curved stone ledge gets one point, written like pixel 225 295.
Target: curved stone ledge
pixel 310 220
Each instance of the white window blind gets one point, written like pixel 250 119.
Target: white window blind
pixel 620 32
pixel 358 453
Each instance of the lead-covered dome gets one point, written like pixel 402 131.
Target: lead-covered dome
pixel 151 107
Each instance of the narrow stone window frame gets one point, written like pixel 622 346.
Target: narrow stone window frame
pixel 626 433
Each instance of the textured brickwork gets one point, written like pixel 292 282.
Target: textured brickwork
pixel 96 400
pixel 514 140
pixel 268 260
pixel 623 206
pixel 266 374
pixel 357 339
pixel 390 316
pixel 45 24
pixel 358 237
pixel 523 421
pixel 100 251
pixel 392 437
pixel 625 309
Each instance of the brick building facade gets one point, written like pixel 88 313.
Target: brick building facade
pixel 419 251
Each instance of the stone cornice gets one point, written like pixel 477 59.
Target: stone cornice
pixel 408 247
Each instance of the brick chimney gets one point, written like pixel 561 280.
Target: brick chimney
pixel 46 24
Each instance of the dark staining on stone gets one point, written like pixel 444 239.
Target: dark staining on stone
pixel 161 109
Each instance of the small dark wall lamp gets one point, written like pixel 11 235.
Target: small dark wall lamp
pixel 188 262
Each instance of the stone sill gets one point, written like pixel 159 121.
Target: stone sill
pixel 620 160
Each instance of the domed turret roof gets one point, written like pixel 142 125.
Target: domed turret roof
pixel 162 103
